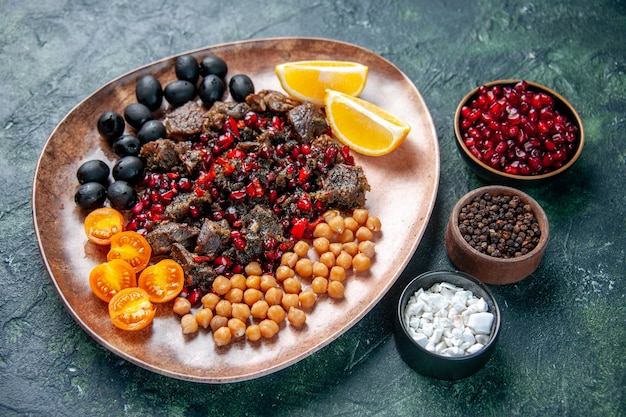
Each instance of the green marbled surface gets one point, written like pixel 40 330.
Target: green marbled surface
pixel 563 341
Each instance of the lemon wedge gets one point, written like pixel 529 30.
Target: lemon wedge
pixel 363 126
pixel 309 80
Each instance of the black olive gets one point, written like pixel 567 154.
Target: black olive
pixel 213 65
pixel 111 125
pixel 211 89
pixel 187 69
pixel 136 114
pixel 122 195
pixel 127 145
pixel 151 130
pixel 129 169
pixel 94 170
pixel 240 87
pixel 90 195
pixel 149 92
pixel 179 92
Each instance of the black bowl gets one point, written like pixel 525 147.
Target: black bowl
pixel 496 176
pixel 429 363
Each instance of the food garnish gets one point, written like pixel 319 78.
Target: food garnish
pixel 131 247
pixel 109 278
pixel 102 223
pixel 308 80
pixel 363 126
pixel 163 281
pixel 131 309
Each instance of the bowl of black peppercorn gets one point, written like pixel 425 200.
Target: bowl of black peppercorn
pixel 497 234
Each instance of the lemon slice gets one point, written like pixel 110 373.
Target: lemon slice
pixel 363 126
pixel 308 80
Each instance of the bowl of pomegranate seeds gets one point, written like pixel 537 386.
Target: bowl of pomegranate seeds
pixel 497 234
pixel 517 132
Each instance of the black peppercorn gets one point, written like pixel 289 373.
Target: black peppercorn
pixel 500 226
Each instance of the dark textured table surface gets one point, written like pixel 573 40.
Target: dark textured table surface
pixel 562 348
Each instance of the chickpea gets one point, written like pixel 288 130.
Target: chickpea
pixel 237 327
pixel 253 281
pixel 373 223
pixel 289 259
pixel 290 300
pixel 321 245
pixel 336 289
pixel 352 248
pixel 222 336
pixel 307 299
pixel 253 268
pixel 360 215
pixel 224 308
pixel 267 282
pixel 276 313
pixel 221 285
pixel 337 273
pixel 274 296
pixel 351 224
pixel 181 306
pixel 329 214
pixel 344 260
pixel 292 286
pixel 269 328
pixel 188 324
pixel 328 259
pixel 252 295
pixel 335 248
pixel 364 234
pixel 217 322
pixel 346 236
pixel 304 267
pixel 283 272
pixel 238 281
pixel 296 317
pixel 204 317
pixel 301 248
pixel 253 332
pixel 259 309
pixel 361 262
pixel 210 300
pixel 323 230
pixel 234 295
pixel 368 248
pixel 336 224
pixel 320 269
pixel 240 311
pixel 319 285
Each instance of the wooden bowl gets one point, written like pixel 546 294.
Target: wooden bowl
pixel 490 269
pixel 497 176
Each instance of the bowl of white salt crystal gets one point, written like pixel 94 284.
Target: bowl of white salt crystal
pixel 447 324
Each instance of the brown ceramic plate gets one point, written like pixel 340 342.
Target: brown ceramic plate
pixel 404 187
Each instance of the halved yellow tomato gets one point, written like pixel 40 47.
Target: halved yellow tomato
pixel 131 247
pixel 109 278
pixel 131 309
pixel 102 223
pixel 163 281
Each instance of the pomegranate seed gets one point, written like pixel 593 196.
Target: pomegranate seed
pixel 195 296
pixel 239 243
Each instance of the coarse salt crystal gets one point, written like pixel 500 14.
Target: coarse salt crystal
pixel 448 320
pixel 480 322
